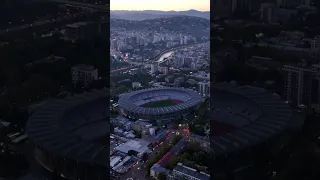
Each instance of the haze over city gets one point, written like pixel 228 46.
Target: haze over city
pixel 164 5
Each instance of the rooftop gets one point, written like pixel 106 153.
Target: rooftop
pixel 138 145
pixel 191 172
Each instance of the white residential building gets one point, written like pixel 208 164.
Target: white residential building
pixel 136 85
pixel 154 68
pixel 204 88
pixel 184 172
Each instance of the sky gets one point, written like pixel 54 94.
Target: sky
pixel 164 5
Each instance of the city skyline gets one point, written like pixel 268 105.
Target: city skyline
pixel 165 5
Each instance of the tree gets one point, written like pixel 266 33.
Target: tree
pixel 154 123
pixel 172 162
pixel 113 113
pixel 145 157
pixel 176 139
pixel 185 155
pixel 138 134
pixel 111 128
pixel 121 89
pixel 193 146
pixel 162 176
pixel 199 157
pixel 189 163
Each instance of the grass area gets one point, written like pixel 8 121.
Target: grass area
pixel 296 160
pixel 163 103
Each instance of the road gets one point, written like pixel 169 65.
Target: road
pixel 46 24
pixel 100 7
pixel 138 172
pixel 123 69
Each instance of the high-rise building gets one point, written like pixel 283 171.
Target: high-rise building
pixel 179 62
pixel 315 92
pixel 268 12
pixel 204 88
pixel 194 65
pixel 114 44
pixel 315 48
pixel 181 40
pixel 165 70
pixel 226 8
pixel 185 40
pixel 298 85
pixel 83 74
pixel 246 4
pixel 103 27
pixel 5 3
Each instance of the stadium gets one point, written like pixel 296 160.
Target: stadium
pixel 70 136
pixel 158 103
pixel 244 121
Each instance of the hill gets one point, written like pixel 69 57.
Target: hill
pixel 185 24
pixel 152 14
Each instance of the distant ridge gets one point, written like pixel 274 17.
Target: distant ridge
pixel 152 14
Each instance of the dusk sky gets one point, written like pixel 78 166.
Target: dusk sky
pixel 164 5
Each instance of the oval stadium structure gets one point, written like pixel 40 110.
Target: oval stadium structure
pixel 244 118
pixel 159 103
pixel 70 136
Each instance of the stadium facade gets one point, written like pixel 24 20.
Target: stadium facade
pixel 133 104
pixel 245 121
pixel 68 135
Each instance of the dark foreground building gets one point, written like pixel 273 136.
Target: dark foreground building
pixel 133 104
pixel 71 136
pixel 245 121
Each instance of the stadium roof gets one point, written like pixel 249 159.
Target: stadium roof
pixel 269 117
pixel 126 101
pixel 49 129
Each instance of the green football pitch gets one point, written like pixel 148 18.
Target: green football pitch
pixel 164 103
